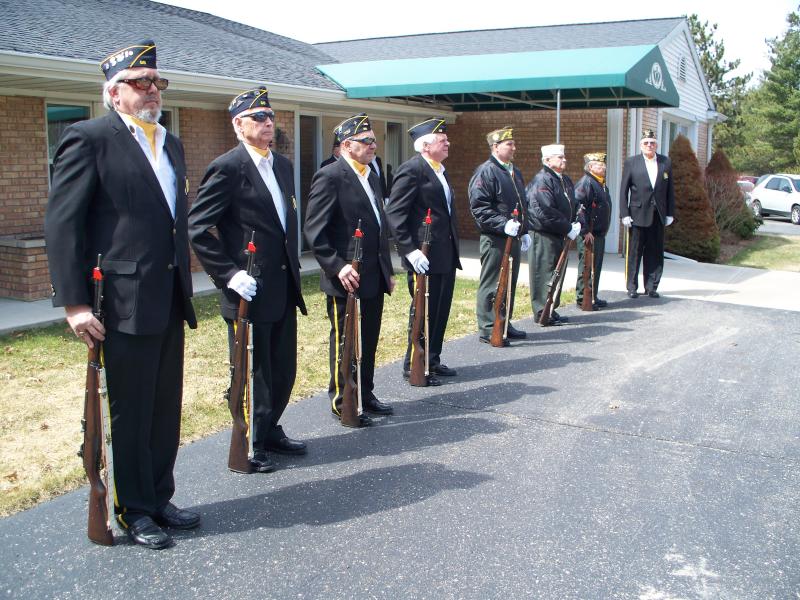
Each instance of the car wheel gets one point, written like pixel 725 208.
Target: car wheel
pixel 796 214
pixel 756 206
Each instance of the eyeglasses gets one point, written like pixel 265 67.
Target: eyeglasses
pixel 367 141
pixel 649 143
pixel 260 116
pixel 144 83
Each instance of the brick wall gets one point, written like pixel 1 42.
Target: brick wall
pixel 582 131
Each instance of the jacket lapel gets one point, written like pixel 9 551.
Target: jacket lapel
pixel 355 182
pixel 250 171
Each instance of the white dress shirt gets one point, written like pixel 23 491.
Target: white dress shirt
pixel 264 166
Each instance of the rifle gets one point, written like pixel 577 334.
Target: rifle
pixel 240 392
pixel 557 280
pixel 588 268
pixel 502 295
pixel 96 447
pixel 351 346
pixel 420 357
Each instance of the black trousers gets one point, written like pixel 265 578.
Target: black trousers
pixel 371 314
pixel 144 374
pixel 440 297
pixel 645 244
pixel 274 373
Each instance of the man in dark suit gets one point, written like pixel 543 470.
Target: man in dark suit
pixel 342 194
pixel 420 184
pixel 647 205
pixel 376 165
pixel 592 193
pixel 335 152
pixel 119 189
pixel 251 188
pixel 495 190
pixel 551 208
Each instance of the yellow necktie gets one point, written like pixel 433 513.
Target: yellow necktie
pixel 149 132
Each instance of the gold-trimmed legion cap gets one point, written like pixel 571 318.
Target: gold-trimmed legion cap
pixel 141 55
pixel 431 125
pixel 648 134
pixel 594 157
pixel 500 135
pixel 553 150
pixel 351 126
pixel 254 98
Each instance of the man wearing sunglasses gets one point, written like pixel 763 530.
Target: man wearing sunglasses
pixel 119 190
pixel 419 184
pixel 251 188
pixel 647 206
pixel 344 194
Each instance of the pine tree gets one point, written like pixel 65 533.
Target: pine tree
pixel 694 233
pixel 727 200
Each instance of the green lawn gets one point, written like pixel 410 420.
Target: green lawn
pixel 776 252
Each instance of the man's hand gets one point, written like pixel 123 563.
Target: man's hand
pixel 525 242
pixel 419 262
pixel 392 283
pixel 349 278
pixel 512 228
pixel 573 233
pixel 627 221
pixel 84 324
pixel 669 221
pixel 243 284
pixel 588 238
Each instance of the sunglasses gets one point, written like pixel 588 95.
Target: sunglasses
pixel 649 143
pixel 144 83
pixel 367 141
pixel 260 116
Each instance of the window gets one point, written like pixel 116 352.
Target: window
pixel 796 184
pixel 669 131
pixel 776 183
pixel 59 117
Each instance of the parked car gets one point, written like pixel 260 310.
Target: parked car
pixel 751 178
pixel 778 194
pixel 746 188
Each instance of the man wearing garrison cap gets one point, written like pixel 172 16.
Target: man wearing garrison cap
pixel 421 183
pixel 647 205
pixel 335 152
pixel 495 191
pixel 343 194
pixel 551 209
pixel 251 188
pixel 119 190
pixel 591 192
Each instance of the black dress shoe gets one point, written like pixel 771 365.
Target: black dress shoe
pixel 515 334
pixel 176 518
pixel 286 446
pixel 145 532
pixel 558 318
pixel 443 371
pixel 485 339
pixel 377 407
pixel 599 303
pixel 261 463
pixel 633 294
pixel 653 294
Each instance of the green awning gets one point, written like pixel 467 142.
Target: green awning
pixel 626 76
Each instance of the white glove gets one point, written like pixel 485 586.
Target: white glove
pixel 576 229
pixel 525 242
pixel 669 221
pixel 627 221
pixel 418 261
pixel 512 228
pixel 243 284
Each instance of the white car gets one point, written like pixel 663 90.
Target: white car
pixel 778 195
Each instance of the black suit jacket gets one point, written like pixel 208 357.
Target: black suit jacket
pixel 234 199
pixel 638 199
pixel 335 204
pixel 415 189
pixel 381 177
pixel 106 199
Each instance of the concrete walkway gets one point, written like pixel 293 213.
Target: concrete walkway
pixel 682 279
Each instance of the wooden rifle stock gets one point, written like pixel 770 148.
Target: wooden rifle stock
pixel 350 363
pixel 420 358
pixel 554 286
pixel 93 448
pixel 502 295
pixel 240 392
pixel 588 270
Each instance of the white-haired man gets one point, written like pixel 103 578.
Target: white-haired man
pixel 119 189
pixel 421 184
pixel 251 188
pixel 551 208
